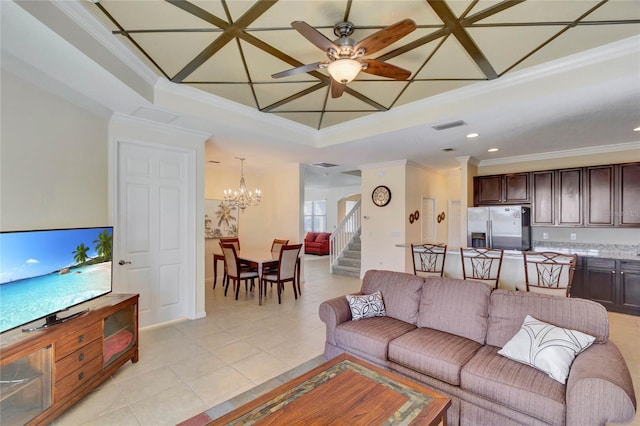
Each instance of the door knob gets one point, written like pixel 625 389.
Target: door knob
pixel 124 262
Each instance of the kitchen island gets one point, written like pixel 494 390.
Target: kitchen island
pixel 608 274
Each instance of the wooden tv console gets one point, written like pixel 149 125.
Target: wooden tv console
pixel 43 373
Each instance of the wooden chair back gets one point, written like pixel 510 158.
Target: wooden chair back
pixel 428 259
pixel 288 261
pixel 549 272
pixel 231 240
pixel 481 264
pixel 277 245
pixel 231 263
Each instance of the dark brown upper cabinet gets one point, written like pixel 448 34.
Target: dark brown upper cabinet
pixel 501 189
pixel 557 197
pixel 599 195
pixel 629 194
pixel 612 195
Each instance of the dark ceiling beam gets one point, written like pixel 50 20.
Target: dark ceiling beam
pixel 230 31
pixel 294 97
pixel 452 23
pixel 442 32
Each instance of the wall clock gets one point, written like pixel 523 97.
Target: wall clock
pixel 381 196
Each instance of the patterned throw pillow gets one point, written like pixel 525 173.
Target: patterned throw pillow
pixel 546 347
pixel 366 306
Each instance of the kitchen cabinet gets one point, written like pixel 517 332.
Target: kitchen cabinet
pixel 614 283
pixel 557 197
pixel 628 206
pixel 45 372
pixel 502 189
pixel 599 195
pixel 612 196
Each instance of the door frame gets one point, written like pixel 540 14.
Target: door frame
pixel 190 288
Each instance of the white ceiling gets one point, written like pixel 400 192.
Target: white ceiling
pixel 583 97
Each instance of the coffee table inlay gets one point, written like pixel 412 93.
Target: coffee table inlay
pixel 345 390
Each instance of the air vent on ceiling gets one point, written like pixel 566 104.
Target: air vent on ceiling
pixel 353 173
pixel 449 125
pixel 324 165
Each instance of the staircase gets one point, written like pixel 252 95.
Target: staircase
pixel 348 263
pixel 345 245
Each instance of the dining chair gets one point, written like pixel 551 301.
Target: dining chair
pixel 428 259
pixel 286 272
pixel 219 256
pixel 481 264
pixel 233 270
pixel 276 245
pixel 549 272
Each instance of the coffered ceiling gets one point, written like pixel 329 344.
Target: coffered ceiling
pixel 230 48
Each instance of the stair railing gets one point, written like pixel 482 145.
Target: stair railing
pixel 343 234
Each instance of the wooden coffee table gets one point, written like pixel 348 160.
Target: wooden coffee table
pixel 345 390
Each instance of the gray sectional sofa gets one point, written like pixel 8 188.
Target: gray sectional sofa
pixel 446 332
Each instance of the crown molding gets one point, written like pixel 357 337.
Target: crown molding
pixel 629 146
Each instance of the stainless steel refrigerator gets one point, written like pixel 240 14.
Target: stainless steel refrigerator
pixel 505 227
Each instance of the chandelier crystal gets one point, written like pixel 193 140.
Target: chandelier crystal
pixel 242 198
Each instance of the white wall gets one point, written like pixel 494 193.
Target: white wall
pixel 384 227
pixel 53 161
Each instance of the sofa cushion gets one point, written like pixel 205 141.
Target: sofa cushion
pixel 311 236
pixel 508 308
pixel 322 236
pixel 455 306
pixel 371 335
pixel 366 305
pixel 546 347
pixel 401 292
pixel 433 353
pixel 515 385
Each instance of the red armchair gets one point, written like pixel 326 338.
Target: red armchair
pixel 317 243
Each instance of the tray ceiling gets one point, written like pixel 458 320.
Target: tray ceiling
pixel 231 48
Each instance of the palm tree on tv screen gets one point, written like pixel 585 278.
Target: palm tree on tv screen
pixel 103 245
pixel 80 253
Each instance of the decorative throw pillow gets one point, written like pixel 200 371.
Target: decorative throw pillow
pixel 546 347
pixel 366 306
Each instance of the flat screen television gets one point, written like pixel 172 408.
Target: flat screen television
pixel 44 273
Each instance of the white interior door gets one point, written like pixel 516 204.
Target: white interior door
pixel 151 228
pixel 428 217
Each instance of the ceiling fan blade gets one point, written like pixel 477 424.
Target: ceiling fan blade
pixel 386 36
pixel 337 89
pixel 298 70
pixel 384 69
pixel 314 36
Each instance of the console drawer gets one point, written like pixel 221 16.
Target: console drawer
pixel 77 359
pixel 78 339
pixel 78 378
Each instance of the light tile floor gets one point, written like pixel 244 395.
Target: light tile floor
pixel 186 367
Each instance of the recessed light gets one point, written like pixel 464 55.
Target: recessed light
pixel 637 129
pixel 448 149
pixel 472 135
pixel 492 149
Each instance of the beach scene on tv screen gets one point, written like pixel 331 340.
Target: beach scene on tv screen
pixel 42 272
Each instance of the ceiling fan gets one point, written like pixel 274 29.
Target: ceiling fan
pixel 345 54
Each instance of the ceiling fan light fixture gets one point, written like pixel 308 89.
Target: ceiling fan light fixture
pixel 344 70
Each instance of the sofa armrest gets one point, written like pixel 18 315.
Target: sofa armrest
pixel 599 388
pixel 334 312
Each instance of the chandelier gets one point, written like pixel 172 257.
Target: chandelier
pixel 242 198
